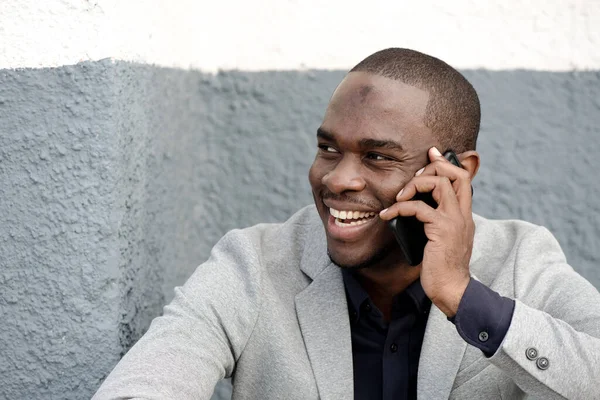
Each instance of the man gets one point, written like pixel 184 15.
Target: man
pixel 325 305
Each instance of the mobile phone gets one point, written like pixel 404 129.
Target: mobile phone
pixel 409 231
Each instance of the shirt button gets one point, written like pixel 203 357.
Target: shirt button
pixel 393 347
pixel 367 307
pixel 353 316
pixel 483 336
pixel 542 363
pixel 531 353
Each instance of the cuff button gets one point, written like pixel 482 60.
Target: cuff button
pixel 483 336
pixel 542 363
pixel 531 353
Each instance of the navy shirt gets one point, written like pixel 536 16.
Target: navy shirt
pixel 386 355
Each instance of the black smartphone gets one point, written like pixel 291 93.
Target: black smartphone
pixel 409 231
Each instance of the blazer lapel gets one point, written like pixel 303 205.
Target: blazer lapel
pixel 441 355
pixel 443 348
pixel 323 316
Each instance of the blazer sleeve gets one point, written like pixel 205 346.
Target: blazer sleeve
pixel 557 313
pixel 201 334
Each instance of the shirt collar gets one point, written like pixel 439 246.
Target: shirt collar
pixel 357 295
pixel 418 296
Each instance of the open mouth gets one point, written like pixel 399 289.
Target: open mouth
pixel 351 218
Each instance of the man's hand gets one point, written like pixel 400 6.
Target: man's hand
pixel 449 228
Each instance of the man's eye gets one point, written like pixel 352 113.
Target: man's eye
pixel 377 157
pixel 327 149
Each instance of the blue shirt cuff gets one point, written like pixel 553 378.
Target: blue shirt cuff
pixel 483 317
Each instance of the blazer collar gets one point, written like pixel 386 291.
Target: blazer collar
pixel 323 316
pixel 441 355
pixel 314 256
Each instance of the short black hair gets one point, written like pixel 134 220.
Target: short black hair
pixel 453 112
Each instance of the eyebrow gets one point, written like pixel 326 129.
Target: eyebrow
pixel 381 144
pixel 364 143
pixel 322 134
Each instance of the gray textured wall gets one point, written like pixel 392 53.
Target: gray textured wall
pixel 116 179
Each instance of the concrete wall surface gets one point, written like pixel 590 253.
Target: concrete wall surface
pixel 126 152
pixel 117 179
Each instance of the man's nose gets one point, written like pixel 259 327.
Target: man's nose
pixel 344 177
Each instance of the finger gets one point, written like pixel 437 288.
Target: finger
pixel 460 178
pixel 418 209
pixel 443 167
pixel 464 195
pixel 434 154
pixel 440 187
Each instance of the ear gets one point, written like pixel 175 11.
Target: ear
pixel 470 161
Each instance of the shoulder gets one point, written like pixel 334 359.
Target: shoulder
pixel 242 259
pixel 250 252
pixel 288 238
pixel 504 250
pixel 500 231
pixel 495 240
pixel 525 262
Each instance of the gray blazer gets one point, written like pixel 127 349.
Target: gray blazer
pixel 269 310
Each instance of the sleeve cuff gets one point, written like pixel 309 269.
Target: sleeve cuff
pixel 483 317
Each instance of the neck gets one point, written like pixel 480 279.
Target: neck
pixel 382 284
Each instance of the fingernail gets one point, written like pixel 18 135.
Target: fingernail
pixel 383 211
pixel 419 172
pixel 436 152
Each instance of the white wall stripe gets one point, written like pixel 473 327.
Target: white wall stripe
pixel 294 34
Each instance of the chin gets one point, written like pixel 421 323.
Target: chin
pixel 347 263
pixel 359 260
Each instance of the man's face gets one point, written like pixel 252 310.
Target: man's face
pixel 372 141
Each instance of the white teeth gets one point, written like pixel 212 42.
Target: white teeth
pixel 338 222
pixel 350 214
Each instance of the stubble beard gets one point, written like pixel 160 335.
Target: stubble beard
pixel 375 261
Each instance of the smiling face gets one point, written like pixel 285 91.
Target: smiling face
pixel 372 141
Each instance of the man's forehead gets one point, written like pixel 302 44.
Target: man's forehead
pixel 364 91
pixel 361 89
pixel 357 92
pixel 367 106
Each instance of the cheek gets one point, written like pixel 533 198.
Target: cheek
pixel 388 188
pixel 317 171
pixel 314 175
